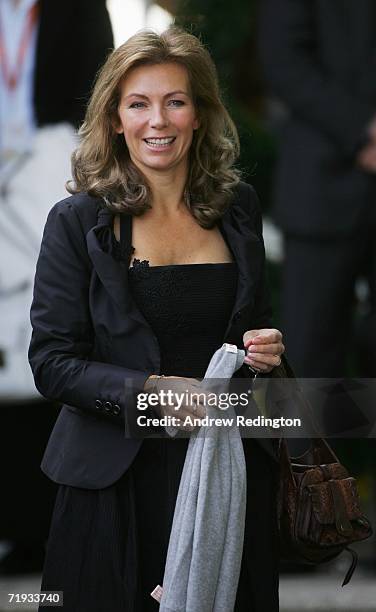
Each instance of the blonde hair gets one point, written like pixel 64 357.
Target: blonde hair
pixel 101 164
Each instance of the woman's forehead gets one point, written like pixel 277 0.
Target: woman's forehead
pixel 156 79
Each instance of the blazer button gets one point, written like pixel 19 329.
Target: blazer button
pixel 108 406
pixel 237 315
pixel 98 404
pixel 116 409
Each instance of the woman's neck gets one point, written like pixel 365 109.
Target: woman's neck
pixel 167 190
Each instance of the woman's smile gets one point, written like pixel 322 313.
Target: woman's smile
pixel 160 144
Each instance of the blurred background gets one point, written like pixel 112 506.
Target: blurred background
pixel 298 77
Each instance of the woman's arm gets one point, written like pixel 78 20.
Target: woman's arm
pixel 63 336
pixel 262 314
pixel 263 342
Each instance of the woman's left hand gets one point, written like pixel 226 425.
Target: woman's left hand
pixel 264 349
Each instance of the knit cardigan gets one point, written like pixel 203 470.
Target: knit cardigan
pixel 206 541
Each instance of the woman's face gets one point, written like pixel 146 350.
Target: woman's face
pixel 157 116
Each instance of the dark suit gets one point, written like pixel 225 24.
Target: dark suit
pixel 319 58
pixel 74 37
pixel 89 338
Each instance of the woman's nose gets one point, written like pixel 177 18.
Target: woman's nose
pixel 158 118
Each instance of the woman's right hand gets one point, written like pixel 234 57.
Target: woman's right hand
pixel 175 393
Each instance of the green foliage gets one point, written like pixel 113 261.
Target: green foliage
pixel 229 34
pixel 221 28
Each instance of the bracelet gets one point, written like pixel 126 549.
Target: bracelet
pixel 156 379
pixel 254 371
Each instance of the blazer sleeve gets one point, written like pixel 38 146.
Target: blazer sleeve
pixel 262 311
pixel 63 338
pixel 289 55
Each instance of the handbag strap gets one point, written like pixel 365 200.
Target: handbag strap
pixel 352 567
pixel 285 371
pixel 320 449
pixel 343 524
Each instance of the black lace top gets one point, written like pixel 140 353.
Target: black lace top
pixel 188 307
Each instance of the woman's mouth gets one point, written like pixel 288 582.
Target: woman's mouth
pixel 160 143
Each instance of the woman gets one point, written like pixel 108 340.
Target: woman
pixel 152 264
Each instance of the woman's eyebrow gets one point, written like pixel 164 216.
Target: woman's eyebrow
pixel 178 91
pixel 167 95
pixel 134 95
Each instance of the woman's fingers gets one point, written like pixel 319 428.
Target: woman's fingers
pixel 263 360
pixel 182 414
pixel 264 348
pixel 194 411
pixel 262 336
pixel 272 349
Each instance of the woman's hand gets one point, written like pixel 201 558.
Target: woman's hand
pixel 264 349
pixel 178 390
pixel 366 158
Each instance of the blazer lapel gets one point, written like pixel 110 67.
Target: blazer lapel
pixel 247 250
pixel 111 271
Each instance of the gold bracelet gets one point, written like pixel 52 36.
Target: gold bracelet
pixel 157 378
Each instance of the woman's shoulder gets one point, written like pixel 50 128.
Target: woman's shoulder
pixel 80 207
pixel 69 222
pixel 245 196
pixel 246 207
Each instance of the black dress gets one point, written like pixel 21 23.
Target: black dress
pixel 107 548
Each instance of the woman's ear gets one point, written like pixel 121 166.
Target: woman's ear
pixel 118 128
pixel 116 124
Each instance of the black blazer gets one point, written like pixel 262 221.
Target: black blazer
pixel 74 38
pixel 319 58
pixel 92 349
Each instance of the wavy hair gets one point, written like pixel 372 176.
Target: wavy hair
pixel 101 164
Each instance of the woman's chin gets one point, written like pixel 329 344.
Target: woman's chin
pixel 160 164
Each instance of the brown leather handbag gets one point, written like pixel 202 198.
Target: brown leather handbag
pixel 319 510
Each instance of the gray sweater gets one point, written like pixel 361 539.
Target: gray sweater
pixel 206 542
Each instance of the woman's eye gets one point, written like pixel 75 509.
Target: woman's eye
pixel 137 105
pixel 176 102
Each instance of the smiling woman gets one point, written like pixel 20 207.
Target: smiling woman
pixel 153 263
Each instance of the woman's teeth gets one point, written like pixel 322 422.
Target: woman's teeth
pixel 157 142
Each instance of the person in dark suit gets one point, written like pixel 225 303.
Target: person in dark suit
pixel 319 60
pixel 155 260
pixel 72 39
